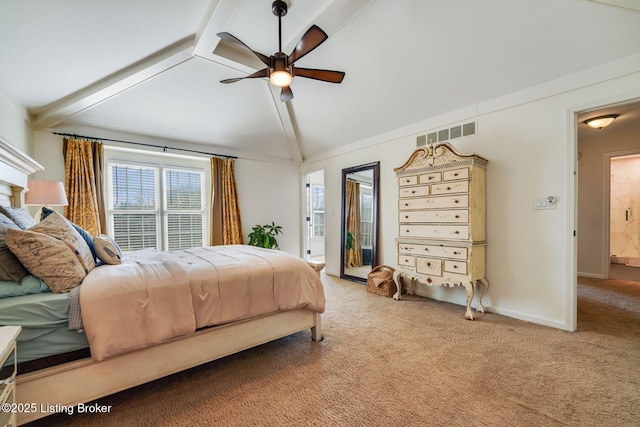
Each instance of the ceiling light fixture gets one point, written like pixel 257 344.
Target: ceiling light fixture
pixel 280 69
pixel 601 121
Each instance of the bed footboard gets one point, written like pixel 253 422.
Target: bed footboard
pixel 84 380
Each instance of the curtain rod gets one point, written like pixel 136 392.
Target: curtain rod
pixel 164 148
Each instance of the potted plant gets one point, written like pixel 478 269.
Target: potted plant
pixel 264 236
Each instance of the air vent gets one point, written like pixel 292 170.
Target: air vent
pixel 447 134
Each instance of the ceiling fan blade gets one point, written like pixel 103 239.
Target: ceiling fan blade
pixel 313 38
pixel 286 94
pixel 233 39
pixel 261 73
pixel 323 75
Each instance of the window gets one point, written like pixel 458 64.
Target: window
pixel 155 205
pixel 317 209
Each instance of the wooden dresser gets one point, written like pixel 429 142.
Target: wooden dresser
pixel 441 215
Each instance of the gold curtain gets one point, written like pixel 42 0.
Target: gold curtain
pixel 226 227
pixel 98 175
pixel 80 185
pixel 354 255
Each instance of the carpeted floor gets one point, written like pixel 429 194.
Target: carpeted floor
pixel 416 362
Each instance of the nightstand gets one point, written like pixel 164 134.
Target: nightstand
pixel 8 336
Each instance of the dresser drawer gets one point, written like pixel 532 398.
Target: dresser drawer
pixel 450 187
pixel 431 266
pixel 454 174
pixel 433 250
pixel 414 191
pixel 406 260
pixel 428 178
pixel 408 180
pixel 442 202
pixel 455 232
pixel 459 267
pixel 434 216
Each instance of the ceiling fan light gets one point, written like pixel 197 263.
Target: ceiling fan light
pixel 280 78
pixel 601 121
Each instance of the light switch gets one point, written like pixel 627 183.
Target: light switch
pixel 548 202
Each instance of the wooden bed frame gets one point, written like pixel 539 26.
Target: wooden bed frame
pixel 85 380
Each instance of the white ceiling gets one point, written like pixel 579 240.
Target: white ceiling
pixel 151 68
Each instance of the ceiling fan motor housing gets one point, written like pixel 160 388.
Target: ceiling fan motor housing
pixel 279 8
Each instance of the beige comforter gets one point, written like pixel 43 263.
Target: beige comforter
pixel 155 296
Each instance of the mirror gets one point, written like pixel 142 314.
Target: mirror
pixel 359 251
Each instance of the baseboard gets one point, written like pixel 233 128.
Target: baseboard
pixel 450 298
pixel 591 275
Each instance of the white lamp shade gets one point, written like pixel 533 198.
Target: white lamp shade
pixel 46 193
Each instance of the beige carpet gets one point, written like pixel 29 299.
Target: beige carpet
pixel 417 362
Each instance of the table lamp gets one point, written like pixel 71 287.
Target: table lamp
pixel 45 193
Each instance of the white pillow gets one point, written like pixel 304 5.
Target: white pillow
pixel 107 249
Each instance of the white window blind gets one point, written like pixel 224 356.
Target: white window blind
pixel 147 212
pixel 184 208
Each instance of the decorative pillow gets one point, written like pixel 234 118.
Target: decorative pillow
pixel 84 233
pixel 11 269
pixel 107 249
pixel 19 216
pixel 53 251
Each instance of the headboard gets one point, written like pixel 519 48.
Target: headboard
pixel 15 168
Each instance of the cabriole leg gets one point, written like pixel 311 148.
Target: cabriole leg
pixel 469 287
pixel 397 279
pixel 484 285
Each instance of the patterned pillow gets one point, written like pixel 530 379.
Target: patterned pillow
pixel 19 216
pixel 107 250
pixel 84 233
pixel 53 251
pixel 11 269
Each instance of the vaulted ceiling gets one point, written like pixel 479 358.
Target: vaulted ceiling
pixel 152 68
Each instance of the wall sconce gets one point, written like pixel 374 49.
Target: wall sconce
pixel 601 121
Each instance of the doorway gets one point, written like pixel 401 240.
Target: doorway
pixel 624 216
pixel 314 216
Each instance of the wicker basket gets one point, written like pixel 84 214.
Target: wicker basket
pixel 380 281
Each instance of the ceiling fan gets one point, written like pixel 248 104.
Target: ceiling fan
pixel 280 67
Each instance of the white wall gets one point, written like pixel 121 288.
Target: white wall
pixel 529 139
pixel 270 192
pixel 14 124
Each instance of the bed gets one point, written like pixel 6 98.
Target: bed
pixel 156 345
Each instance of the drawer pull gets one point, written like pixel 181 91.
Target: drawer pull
pixel 455 174
pixel 455 266
pixel 457 216
pixel 406 204
pixel 448 188
pixel 426 249
pixel 406 217
pixel 428 264
pixel 430 177
pixel 456 253
pixel 456 201
pixel 457 232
